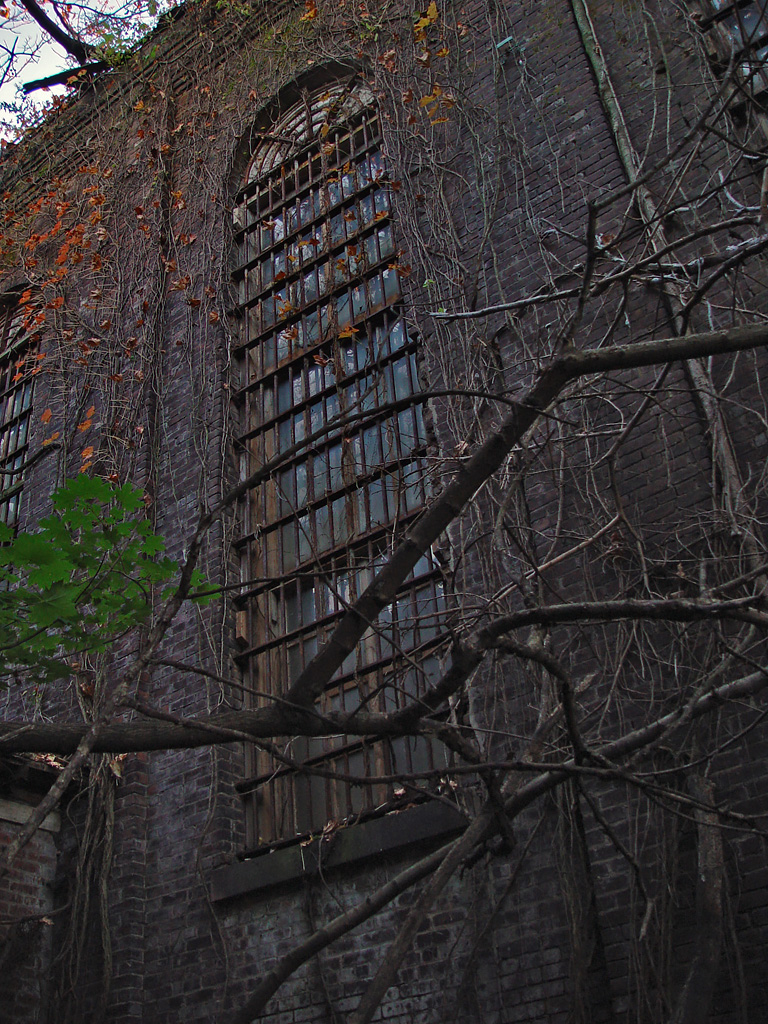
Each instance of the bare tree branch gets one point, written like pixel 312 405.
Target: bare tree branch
pixel 564 369
pixel 569 366
pixel 523 796
pixel 335 929
pixel 75 47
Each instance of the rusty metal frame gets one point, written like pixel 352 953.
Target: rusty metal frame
pixel 324 336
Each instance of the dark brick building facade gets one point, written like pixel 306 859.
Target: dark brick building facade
pixel 259 223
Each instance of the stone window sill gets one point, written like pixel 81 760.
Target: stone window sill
pixel 389 834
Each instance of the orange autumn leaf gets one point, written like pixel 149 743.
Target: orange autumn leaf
pixel 87 452
pixel 310 11
pixel 51 439
pixel 85 425
pixel 46 416
pixel 91 412
pixel 403 269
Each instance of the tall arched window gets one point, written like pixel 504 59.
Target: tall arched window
pixel 326 348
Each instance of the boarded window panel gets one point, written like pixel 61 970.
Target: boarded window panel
pixel 326 350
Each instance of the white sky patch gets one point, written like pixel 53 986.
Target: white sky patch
pixel 36 57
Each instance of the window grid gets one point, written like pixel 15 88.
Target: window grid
pixel 325 338
pixel 17 369
pixel 743 27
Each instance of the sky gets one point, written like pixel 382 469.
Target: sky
pixel 128 20
pixel 48 59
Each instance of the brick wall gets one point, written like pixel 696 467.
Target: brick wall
pixel 547 931
pixel 26 921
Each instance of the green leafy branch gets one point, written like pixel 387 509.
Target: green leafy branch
pixel 84 578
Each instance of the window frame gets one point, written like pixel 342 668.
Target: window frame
pixel 18 351
pixel 312 135
pixel 726 25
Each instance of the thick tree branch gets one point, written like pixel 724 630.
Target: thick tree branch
pixel 571 365
pixel 65 77
pixel 288 719
pixel 335 929
pixel 564 369
pixel 112 737
pixel 672 610
pixel 523 796
pixel 75 47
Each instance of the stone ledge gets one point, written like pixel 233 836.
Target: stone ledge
pixel 387 834
pixel 19 814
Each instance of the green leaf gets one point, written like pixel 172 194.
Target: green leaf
pixel 86 576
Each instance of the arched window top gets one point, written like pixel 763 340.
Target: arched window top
pixel 309 121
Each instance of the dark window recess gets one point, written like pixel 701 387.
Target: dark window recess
pixel 741 28
pixel 18 366
pixel 326 350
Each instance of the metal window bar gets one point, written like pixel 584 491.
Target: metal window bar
pixel 324 337
pixel 742 26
